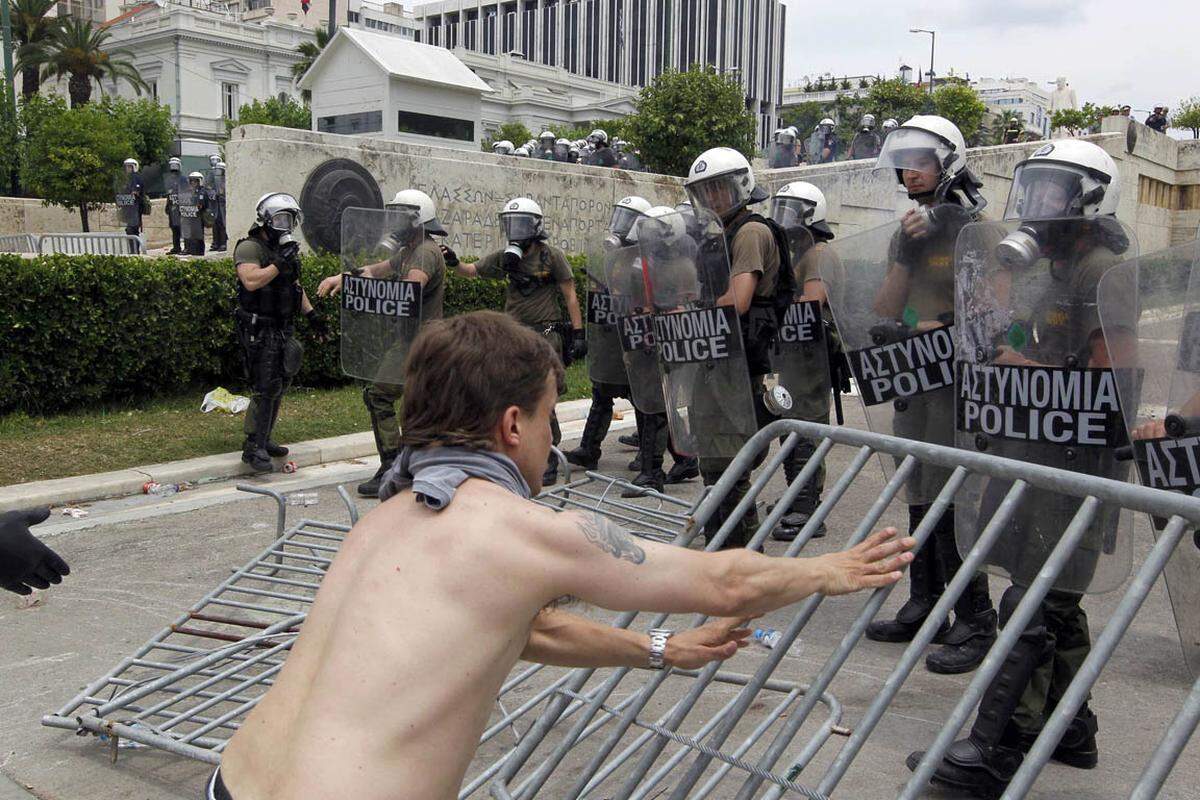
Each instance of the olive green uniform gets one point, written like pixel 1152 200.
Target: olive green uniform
pixel 533 294
pixel 381 398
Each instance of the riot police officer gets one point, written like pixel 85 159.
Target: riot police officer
pixel 545 147
pixel 866 142
pixel 422 261
pixel 562 150
pixel 174 181
pixel 889 125
pixel 602 155
pixel 721 183
pixel 269 297
pixel 216 188
pixel 1062 237
pixel 604 363
pixel 800 209
pixel 502 148
pixel 538 275
pixel 928 156
pixel 823 144
pixel 783 149
pixel 132 197
pixel 193 209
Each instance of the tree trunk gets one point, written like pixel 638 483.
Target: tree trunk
pixel 80 89
pixel 83 217
pixel 30 82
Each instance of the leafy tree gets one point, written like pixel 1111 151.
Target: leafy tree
pixel 804 116
pixel 148 124
pixel 682 114
pixel 32 27
pixel 9 139
pixel 1004 120
pixel 960 104
pixel 283 113
pixel 76 49
pixel 514 132
pixel 615 128
pixel 1188 116
pixel 1082 120
pixel 309 51
pixel 895 99
pixel 71 156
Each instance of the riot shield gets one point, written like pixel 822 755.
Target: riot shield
pixel 892 298
pixel 1034 384
pixel 128 208
pixel 630 161
pixel 605 363
pixel 172 184
pixel 800 355
pixel 701 355
pixel 781 155
pixel 191 224
pixel 380 316
pixel 1153 337
pixel 629 287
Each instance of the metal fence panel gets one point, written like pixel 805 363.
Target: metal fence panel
pixel 105 244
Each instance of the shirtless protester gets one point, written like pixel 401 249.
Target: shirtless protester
pixel 438 591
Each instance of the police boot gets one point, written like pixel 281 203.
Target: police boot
pixel 652 443
pixel 744 530
pixel 984 763
pixel 685 468
pixel 629 439
pixel 971 636
pixel 254 448
pixel 1077 747
pixel 803 507
pixel 587 455
pixel 924 587
pixel 370 487
pixel 275 450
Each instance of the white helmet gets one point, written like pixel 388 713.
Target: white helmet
pixel 784 136
pixel 597 136
pixel 562 141
pixel 276 212
pixel 798 203
pixel 214 158
pixel 423 205
pixel 219 165
pixel 503 147
pixel 625 215
pixel 546 135
pixel 1065 178
pixel 200 177
pixel 868 121
pixel 132 162
pixel 795 131
pixel 521 220
pixel 722 182
pixel 890 124
pixel 662 227
pixel 826 123
pixel 174 164
pixel 929 142
pixel 521 151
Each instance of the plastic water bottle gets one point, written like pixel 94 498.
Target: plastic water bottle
pixel 770 638
pixel 303 499
pixel 160 489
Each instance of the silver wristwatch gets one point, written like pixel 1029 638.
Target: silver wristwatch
pixel 658 646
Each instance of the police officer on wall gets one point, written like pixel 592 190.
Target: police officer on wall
pixel 269 297
pixel 174 182
pixel 538 274
pixel 425 263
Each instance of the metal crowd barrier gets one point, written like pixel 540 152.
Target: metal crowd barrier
pixel 19 243
pixel 774 772
pixel 97 244
pixel 188 688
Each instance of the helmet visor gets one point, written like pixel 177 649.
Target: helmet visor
pixel 791 212
pixel 520 226
pixel 403 218
pixel 719 194
pixel 623 219
pixel 282 221
pixel 1045 191
pixel 916 150
pixel 785 137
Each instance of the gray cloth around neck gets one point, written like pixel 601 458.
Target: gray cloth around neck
pixel 435 473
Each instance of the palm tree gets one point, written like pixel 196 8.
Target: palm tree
pixel 309 51
pixel 31 28
pixel 76 49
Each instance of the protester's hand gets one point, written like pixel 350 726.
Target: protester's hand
pixel 449 256
pixel 717 640
pixel 1154 429
pixel 916 224
pixel 331 286
pixel 25 563
pixel 875 562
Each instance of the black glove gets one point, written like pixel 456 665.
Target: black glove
pixel 449 256
pixel 579 346
pixel 889 332
pixel 25 563
pixel 316 324
pixel 286 267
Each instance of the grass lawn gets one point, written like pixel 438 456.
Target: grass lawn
pixel 83 442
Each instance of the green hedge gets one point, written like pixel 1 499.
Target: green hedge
pixel 87 330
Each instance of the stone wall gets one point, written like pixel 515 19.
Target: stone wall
pixel 469 188
pixel 26 215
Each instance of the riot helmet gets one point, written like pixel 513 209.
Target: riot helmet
pixel 131 165
pixel 219 167
pixel 662 230
pixel 521 152
pixel 573 155
pixel 826 125
pixel 800 204
pixel 174 165
pixel 502 148
pixel 935 146
pixel 422 204
pixel 622 226
pixel 562 148
pixel 890 124
pixel 521 220
pixel 278 214
pixel 546 139
pixel 785 136
pixel 195 178
pixel 721 181
pixel 213 159
pixel 597 137
pixel 868 122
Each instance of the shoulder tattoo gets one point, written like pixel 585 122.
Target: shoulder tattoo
pixel 610 538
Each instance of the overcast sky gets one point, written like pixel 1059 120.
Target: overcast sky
pixel 1141 52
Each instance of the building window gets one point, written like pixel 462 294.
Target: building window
pixel 154 89
pixel 229 100
pixel 430 125
pixel 255 5
pixel 351 16
pixel 360 122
